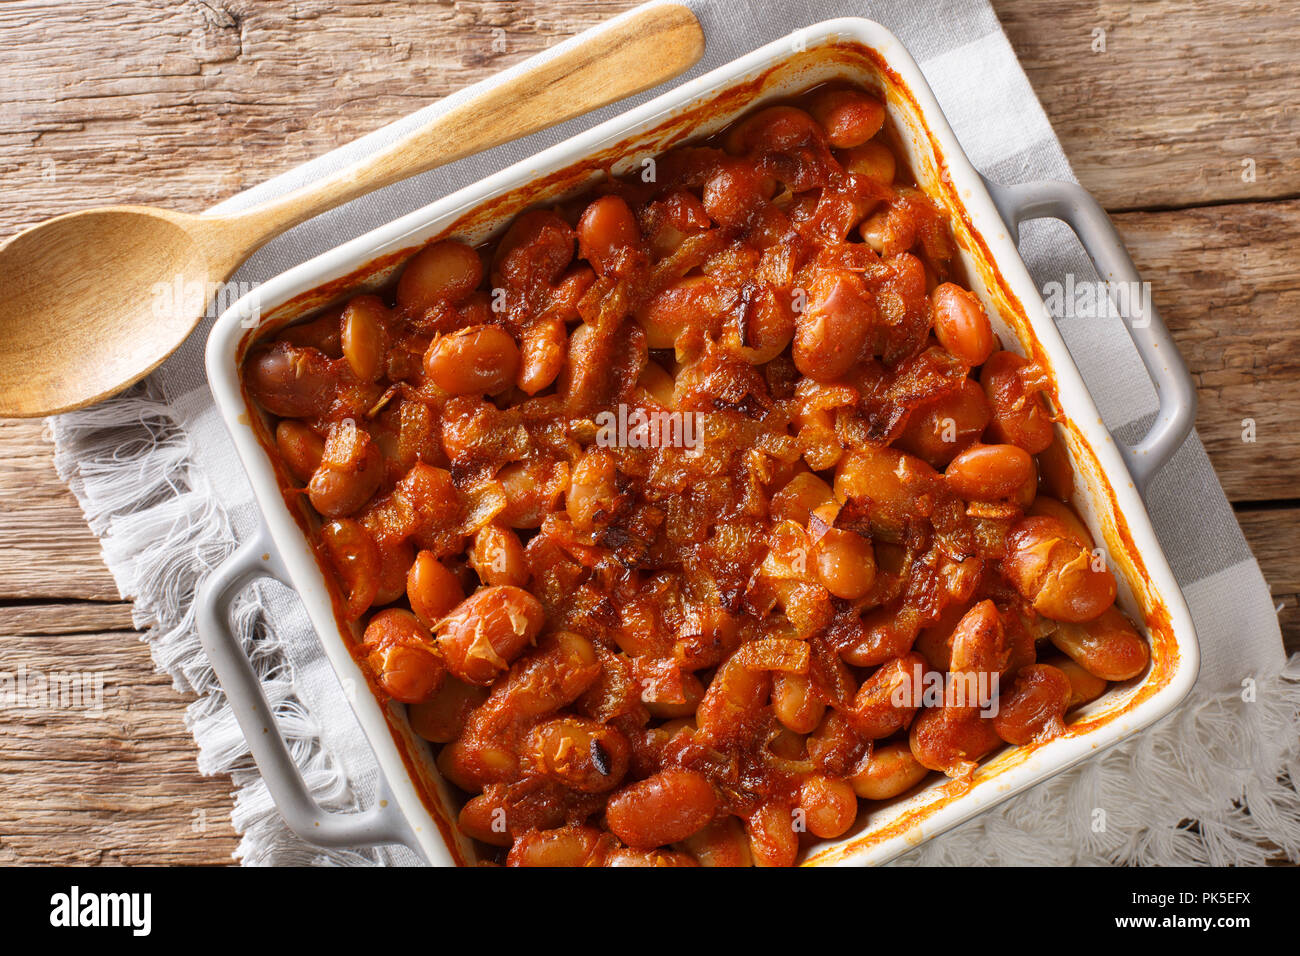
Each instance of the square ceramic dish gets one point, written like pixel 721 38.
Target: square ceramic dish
pixel 417 810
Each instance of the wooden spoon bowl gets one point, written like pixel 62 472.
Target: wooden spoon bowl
pixel 83 315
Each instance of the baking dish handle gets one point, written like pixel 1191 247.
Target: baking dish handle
pixel 1075 206
pixel 382 823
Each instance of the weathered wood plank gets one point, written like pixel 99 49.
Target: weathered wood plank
pixel 65 618
pixel 1184 93
pixel 113 783
pixel 46 550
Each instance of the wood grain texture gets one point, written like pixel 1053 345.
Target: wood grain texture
pixel 67 617
pixel 107 776
pixel 183 104
pixel 47 551
pixel 1227 95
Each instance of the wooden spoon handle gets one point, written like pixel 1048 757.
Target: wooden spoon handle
pixel 631 55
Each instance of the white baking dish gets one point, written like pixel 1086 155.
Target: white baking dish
pixel 1109 498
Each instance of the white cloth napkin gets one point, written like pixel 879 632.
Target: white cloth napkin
pixel 160 484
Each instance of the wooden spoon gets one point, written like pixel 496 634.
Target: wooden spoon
pixel 79 314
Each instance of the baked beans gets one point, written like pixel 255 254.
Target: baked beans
pixel 659 510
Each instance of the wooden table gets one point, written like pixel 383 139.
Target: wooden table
pixel 1185 126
